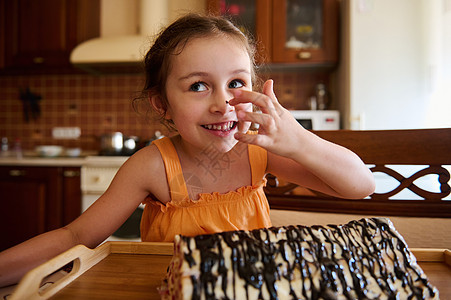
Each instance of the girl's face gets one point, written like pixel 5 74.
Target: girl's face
pixel 199 84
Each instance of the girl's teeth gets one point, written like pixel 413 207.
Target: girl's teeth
pixel 224 127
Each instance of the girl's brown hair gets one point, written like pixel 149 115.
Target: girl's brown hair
pixel 172 40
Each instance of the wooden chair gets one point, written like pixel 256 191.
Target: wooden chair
pixel 382 150
pixel 430 148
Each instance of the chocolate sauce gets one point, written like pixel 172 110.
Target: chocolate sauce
pixel 365 259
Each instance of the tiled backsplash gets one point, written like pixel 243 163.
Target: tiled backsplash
pixel 103 104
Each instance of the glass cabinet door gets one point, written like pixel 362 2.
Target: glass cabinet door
pixel 304 26
pixel 305 31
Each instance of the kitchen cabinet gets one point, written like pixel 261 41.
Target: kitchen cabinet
pixel 34 200
pixel 302 32
pixel 306 31
pixel 39 35
pixel 253 17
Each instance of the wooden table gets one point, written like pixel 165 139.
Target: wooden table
pixel 120 276
pixel 437 266
pixel 124 270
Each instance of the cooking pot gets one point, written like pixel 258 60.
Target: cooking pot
pixel 130 145
pixel 111 143
pixel 117 144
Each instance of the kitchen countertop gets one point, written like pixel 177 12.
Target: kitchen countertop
pixel 43 161
pixel 87 158
pixel 108 161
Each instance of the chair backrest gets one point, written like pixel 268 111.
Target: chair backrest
pixel 382 150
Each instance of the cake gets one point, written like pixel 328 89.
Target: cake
pixel 364 259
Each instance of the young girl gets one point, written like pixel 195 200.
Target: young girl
pixel 209 176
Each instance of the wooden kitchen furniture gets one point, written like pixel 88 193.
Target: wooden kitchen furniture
pixel 424 222
pixel 36 199
pixel 38 36
pixel 130 270
pixel 382 150
pixel 268 21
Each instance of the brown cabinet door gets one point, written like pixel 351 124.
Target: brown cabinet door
pixel 71 194
pixel 253 17
pixel 287 31
pixel 305 31
pixel 41 34
pixel 30 203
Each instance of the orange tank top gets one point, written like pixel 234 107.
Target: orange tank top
pixel 244 209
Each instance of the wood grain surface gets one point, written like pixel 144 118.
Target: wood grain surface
pixel 129 276
pixel 123 270
pixel 120 276
pixel 439 274
pixel 137 276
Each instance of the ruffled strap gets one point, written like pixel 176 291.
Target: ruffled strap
pixel 174 174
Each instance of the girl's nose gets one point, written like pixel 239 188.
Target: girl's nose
pixel 220 103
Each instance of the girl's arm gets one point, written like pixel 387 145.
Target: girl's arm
pixel 16 261
pixel 327 168
pixel 299 156
pixel 131 185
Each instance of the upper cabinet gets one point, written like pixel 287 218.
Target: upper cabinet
pixel 40 35
pixel 303 32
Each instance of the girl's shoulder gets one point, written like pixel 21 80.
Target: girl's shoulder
pixel 145 158
pixel 146 167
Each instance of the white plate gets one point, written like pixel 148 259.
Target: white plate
pixel 49 150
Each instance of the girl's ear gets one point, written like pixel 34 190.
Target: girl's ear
pixel 159 106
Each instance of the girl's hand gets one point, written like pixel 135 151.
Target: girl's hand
pixel 277 125
pixel 296 154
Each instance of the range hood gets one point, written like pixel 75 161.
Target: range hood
pixel 126 30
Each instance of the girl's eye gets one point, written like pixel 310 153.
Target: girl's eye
pixel 198 87
pixel 235 84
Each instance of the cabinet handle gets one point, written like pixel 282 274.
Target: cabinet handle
pixel 70 173
pixel 304 55
pixel 17 173
pixel 38 60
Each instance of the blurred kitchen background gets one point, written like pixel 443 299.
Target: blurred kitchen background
pixel 386 64
pixel 70 69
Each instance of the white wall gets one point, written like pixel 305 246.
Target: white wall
pixel 392 49
pixel 438 55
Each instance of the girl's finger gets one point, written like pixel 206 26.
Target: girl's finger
pixel 266 101
pixel 262 101
pixel 253 117
pixel 268 89
pixel 243 126
pixel 255 139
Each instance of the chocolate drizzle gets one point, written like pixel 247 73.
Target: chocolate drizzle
pixel 365 259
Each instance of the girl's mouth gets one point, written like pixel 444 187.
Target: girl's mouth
pixel 221 126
